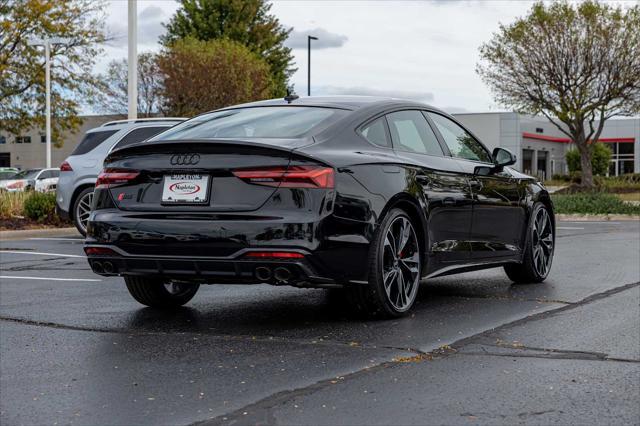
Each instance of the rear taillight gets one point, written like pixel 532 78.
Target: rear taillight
pixel 292 177
pixel 99 251
pixel 66 167
pixel 113 177
pixel 274 255
pixel 16 185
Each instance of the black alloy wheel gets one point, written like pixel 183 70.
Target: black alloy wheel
pixel 539 250
pixel 394 269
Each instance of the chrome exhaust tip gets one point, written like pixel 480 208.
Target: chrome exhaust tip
pixel 263 273
pixel 282 274
pixel 97 267
pixel 108 267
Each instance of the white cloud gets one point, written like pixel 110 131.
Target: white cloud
pixel 419 50
pixel 298 39
pixel 150 27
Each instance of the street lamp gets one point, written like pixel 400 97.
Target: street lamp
pixel 309 38
pixel 132 72
pixel 47 42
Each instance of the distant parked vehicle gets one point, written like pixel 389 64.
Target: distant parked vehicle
pixel 80 170
pixel 42 180
pixel 7 173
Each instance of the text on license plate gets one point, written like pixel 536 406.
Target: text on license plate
pixel 185 188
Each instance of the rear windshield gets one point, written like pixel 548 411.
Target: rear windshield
pixel 91 141
pixel 256 122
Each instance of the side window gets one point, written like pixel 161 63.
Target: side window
pixel 376 133
pixel 460 142
pixel 44 175
pixel 91 141
pixel 139 135
pixel 411 132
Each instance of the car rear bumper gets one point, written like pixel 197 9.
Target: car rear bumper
pixel 214 248
pixel 300 273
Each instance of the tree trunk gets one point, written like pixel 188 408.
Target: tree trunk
pixel 585 162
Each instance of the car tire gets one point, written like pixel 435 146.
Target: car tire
pixel 539 249
pixel 395 262
pixel 82 209
pixel 159 293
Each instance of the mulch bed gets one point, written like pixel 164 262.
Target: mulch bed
pixel 17 224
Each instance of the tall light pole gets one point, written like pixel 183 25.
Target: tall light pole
pixel 47 42
pixel 309 38
pixel 132 80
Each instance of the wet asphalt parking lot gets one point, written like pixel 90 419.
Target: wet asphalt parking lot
pixel 75 348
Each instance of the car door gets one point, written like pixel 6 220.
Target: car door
pixel 444 188
pixel 498 209
pixel 42 180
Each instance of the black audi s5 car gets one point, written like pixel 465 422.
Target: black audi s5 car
pixel 368 195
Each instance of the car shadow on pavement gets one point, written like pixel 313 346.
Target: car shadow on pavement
pixel 308 313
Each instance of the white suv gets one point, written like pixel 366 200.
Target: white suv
pixel 78 173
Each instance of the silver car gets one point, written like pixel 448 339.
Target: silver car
pixel 79 172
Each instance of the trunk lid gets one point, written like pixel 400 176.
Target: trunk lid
pixel 168 168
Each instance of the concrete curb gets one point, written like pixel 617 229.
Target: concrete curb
pixel 596 217
pixel 35 233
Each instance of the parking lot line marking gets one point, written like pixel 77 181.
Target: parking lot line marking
pixel 567 227
pixel 48 279
pixel 56 239
pixel 39 253
pixel 591 222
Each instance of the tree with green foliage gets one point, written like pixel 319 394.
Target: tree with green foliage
pixel 600 158
pixel 247 22
pixel 22 74
pixel 201 76
pixel 578 64
pixel 115 97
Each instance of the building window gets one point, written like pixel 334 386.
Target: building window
pixel 527 161
pixel 3 140
pixel 43 138
pixel 539 130
pixel 622 158
pixel 23 139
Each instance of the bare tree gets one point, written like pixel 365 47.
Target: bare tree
pixel 115 95
pixel 578 65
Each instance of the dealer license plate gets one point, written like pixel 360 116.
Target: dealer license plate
pixel 185 189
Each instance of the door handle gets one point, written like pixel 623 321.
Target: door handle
pixel 476 184
pixel 423 180
pixel 448 201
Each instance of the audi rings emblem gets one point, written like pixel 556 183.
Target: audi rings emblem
pixel 185 159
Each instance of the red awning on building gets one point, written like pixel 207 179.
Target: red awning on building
pixel 567 140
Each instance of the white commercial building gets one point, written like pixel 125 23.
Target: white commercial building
pixel 541 147
pixel 538 144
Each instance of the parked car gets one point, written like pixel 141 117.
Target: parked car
pixel 43 180
pixel 370 195
pixel 7 173
pixel 80 170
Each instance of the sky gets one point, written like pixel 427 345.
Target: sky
pixel 425 51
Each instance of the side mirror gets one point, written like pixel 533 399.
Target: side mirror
pixel 503 157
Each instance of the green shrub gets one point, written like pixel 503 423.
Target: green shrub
pixel 592 203
pixel 600 158
pixel 41 206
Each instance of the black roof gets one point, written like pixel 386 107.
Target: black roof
pixel 346 102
